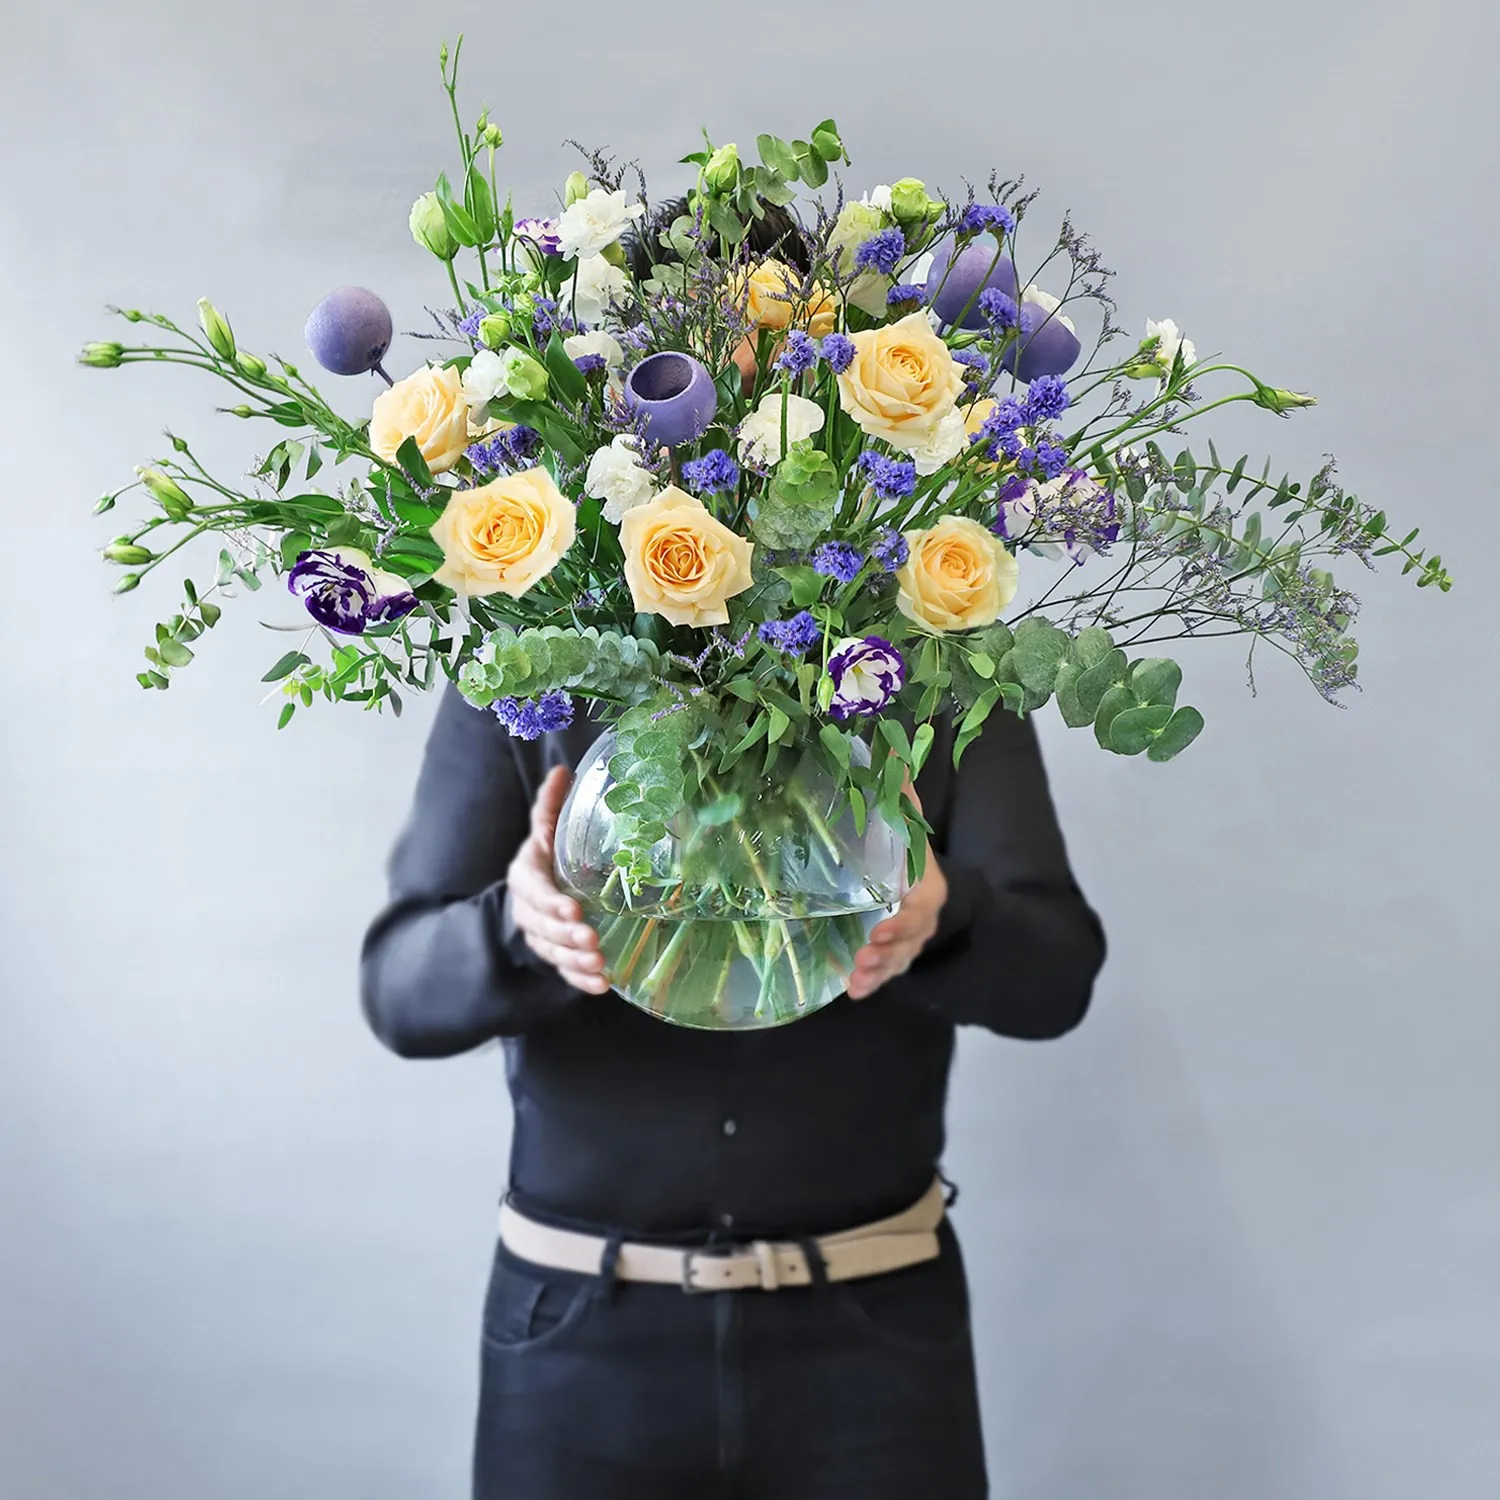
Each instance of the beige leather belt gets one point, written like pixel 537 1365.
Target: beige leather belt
pixel 867 1250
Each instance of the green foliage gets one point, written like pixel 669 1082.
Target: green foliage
pixel 799 507
pixel 597 663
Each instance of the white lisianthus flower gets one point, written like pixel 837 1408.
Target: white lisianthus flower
pixel 878 197
pixel 1171 341
pixel 594 222
pixel 597 341
pixel 616 477
pixel 942 445
pixel 483 381
pixel 760 432
pixel 598 284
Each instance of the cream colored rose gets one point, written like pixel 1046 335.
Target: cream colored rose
pixel 974 419
pixel 957 576
pixel 682 563
pixel 771 293
pixel 429 405
pixel 901 382
pixel 501 537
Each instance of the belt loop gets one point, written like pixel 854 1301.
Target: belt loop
pixel 609 1261
pixel 951 1197
pixel 817 1267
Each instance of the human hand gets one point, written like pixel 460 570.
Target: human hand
pixel 895 941
pixel 551 922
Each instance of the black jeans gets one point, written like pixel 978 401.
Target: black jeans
pixel 592 1388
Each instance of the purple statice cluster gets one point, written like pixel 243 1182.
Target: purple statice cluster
pixel 978 218
pixel 469 324
pixel 890 478
pixel 714 474
pixel 796 636
pixel 837 350
pixel 881 252
pixel 1044 457
pixel 999 431
pixel 530 718
pixel 506 452
pixel 998 309
pixel 799 355
pixel 890 551
pixel 590 364
pixel 838 560
pixel 547 320
pixel 905 295
pixel 1046 399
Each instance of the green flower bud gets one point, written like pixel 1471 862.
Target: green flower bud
pixel 526 376
pixel 173 499
pixel 614 254
pixel 722 174
pixel 216 328
pixel 576 187
pixel 104 356
pixel 494 330
pixel 128 552
pixel 252 364
pixel 130 314
pixel 127 583
pixel 430 229
pixel 239 411
pixel 104 503
pixel 1273 398
pixel 910 203
pixel 492 137
pixel 523 305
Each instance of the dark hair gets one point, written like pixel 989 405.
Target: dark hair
pixel 777 233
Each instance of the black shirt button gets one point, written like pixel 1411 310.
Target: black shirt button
pixel 730 1126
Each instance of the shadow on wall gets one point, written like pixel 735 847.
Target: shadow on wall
pixel 1128 1350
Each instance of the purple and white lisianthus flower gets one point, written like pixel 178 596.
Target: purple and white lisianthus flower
pixel 541 233
pixel 344 590
pixel 867 672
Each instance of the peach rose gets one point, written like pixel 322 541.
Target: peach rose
pixel 501 537
pixel 429 406
pixel 901 382
pixel 681 562
pixel 957 576
pixel 771 294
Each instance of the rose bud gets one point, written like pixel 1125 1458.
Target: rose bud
pixel 349 331
pixel 955 282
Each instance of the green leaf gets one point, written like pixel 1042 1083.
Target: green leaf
pixel 982 663
pixel 1093 683
pixel 1133 729
pixel 810 166
pixel 777 155
pixel 893 732
pixel 1090 647
pixel 567 379
pixel 1039 649
pixel 780 722
pixel 409 456
pixel 174 653
pixel 209 613
pixel 286 666
pixel 836 742
pixel 1155 680
pixel 1181 730
pixel 287 710
pixel 921 744
pixel 1116 700
pixel 1075 716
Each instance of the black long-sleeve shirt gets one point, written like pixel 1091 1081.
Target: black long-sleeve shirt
pixel 624 1120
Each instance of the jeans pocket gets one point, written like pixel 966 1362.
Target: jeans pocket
pixel 920 1309
pixel 527 1306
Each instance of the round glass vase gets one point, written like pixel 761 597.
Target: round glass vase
pixel 757 900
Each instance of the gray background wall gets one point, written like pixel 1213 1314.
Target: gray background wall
pixel 1236 1237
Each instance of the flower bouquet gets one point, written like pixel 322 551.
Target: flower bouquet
pixel 758 484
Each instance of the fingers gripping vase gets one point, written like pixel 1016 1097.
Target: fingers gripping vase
pixel 757 899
